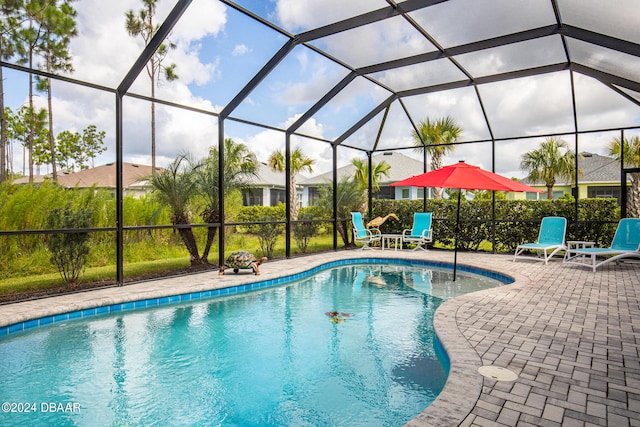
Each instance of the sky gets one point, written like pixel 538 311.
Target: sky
pixel 219 50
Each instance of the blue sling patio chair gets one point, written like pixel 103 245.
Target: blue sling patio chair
pixel 364 235
pixel 421 233
pixel 625 244
pixel 551 240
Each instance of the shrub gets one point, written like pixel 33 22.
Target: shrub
pixel 303 231
pixel 70 250
pixel 266 231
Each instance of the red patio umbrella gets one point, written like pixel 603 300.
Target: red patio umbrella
pixel 464 177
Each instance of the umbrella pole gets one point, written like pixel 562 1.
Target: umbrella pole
pixel 456 232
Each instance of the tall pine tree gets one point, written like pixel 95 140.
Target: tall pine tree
pixel 142 25
pixel 58 26
pixel 10 19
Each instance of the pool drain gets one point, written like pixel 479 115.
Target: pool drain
pixel 497 373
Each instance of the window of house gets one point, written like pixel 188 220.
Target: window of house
pixel 405 193
pixel 420 193
pixel 278 196
pixel 385 193
pixel 252 197
pixel 604 192
pixel 530 195
pixel 314 196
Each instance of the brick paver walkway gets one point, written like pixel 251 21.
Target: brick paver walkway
pixel 572 336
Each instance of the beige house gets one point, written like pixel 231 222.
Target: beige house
pixel 104 176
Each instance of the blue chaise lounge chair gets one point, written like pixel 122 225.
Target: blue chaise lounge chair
pixel 625 244
pixel 551 240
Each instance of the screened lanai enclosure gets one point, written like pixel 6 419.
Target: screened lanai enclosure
pixel 337 79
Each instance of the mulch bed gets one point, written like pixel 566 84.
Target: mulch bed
pixel 82 287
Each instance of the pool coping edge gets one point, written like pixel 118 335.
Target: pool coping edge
pixel 464 383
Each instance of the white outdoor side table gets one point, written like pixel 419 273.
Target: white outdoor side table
pixel 576 244
pixel 396 238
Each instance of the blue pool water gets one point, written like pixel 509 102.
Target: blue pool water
pixel 352 346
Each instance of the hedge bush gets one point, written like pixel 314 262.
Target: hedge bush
pixel 516 221
pixel 69 251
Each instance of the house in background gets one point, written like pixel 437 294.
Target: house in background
pixel 401 167
pixel 600 178
pixel 267 189
pixel 134 178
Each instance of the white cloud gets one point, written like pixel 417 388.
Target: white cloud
pixel 241 49
pixel 310 127
pixel 306 92
pixel 104 52
pixel 264 143
pixel 300 15
pixel 190 69
pixel 202 18
pixel 378 42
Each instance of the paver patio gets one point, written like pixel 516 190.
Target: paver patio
pixel 572 336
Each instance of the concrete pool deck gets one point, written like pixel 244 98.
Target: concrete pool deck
pixel 572 336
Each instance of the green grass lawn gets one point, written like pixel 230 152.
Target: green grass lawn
pixel 149 261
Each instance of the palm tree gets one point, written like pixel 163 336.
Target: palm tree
pixel 632 159
pixel 361 176
pixel 176 187
pixel 299 163
pixel 437 137
pixel 549 162
pixel 350 198
pixel 362 173
pixel 240 167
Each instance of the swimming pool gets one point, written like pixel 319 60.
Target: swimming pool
pixel 348 345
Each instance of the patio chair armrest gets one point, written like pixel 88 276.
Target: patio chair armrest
pixel 426 234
